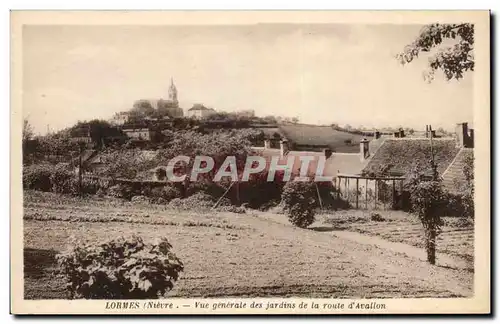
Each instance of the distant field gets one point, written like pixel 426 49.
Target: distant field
pixel 229 254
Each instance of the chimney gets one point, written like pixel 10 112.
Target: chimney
pixel 364 150
pixel 426 131
pixel 283 147
pixel 267 144
pixel 327 152
pixel 471 138
pixel 401 133
pixel 377 134
pixel 462 132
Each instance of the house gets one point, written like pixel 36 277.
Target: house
pixel 120 118
pixel 138 132
pixel 398 156
pixel 335 162
pixel 200 111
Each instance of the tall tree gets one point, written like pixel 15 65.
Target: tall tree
pixel 27 131
pixel 454 60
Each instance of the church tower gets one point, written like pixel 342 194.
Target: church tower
pixel 172 93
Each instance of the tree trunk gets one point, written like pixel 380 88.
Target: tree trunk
pixel 431 246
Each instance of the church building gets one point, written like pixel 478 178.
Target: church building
pixel 169 107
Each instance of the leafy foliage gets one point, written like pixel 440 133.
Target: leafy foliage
pixel 37 177
pixel 125 268
pixel 467 190
pixel 454 60
pixel 299 202
pixel 427 199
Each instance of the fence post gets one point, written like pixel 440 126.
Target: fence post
pixel 357 192
pixel 366 195
pixel 401 192
pixel 376 193
pixel 393 194
pixel 346 191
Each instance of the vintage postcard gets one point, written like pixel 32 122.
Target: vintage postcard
pixel 239 162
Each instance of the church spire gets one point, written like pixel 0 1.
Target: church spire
pixel 172 92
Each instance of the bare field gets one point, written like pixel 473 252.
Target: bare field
pixel 229 254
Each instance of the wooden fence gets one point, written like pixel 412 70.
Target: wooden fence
pixel 364 192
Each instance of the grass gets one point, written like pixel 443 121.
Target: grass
pixel 239 255
pixel 457 237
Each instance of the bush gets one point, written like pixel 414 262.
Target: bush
pixel 37 177
pixel 122 190
pixel 376 217
pixel 120 269
pixel 299 202
pixel 139 199
pixel 63 180
pixel 199 200
pixel 165 194
pixel 205 187
pixel 92 186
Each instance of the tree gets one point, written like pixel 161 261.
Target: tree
pixel 454 60
pixel 27 131
pixel 143 108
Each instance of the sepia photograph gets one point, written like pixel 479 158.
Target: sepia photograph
pixel 210 162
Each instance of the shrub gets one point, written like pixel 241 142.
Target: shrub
pixel 120 269
pixel 199 200
pixel 62 180
pixel 37 177
pixel 91 186
pixel 139 199
pixel 122 190
pixel 257 192
pixel 165 193
pixel 205 187
pixel 299 202
pixel 376 217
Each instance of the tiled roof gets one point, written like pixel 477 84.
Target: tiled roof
pixel 199 107
pixel 454 174
pixel 336 163
pixel 400 155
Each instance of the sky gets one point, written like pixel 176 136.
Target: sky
pixel 322 74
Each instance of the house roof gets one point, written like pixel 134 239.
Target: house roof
pixel 336 163
pixel 322 137
pixel 398 156
pixel 199 107
pixel 453 176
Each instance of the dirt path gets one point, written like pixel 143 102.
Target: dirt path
pixel 443 260
pixel 398 250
